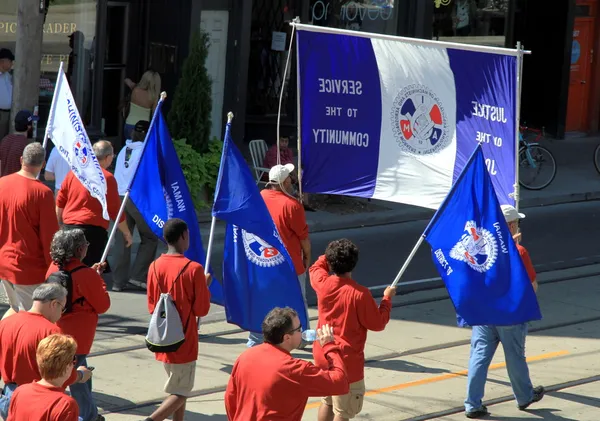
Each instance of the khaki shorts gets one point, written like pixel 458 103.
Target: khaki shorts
pixel 181 378
pixel 350 404
pixel 20 297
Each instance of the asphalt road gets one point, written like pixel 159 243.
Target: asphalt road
pixel 556 236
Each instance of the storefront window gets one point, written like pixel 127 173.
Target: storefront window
pixel 471 21
pixel 69 36
pixel 377 16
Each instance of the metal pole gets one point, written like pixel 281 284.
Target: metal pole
pixel 210 244
pixel 299 122
pixel 51 115
pixel 408 260
pixel 518 121
pixel 114 228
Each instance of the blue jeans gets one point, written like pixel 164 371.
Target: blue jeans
pixel 7 392
pixel 257 338
pixel 82 393
pixel 484 341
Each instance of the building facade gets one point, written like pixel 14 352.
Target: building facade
pixel 101 42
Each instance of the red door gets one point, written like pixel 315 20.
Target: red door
pixel 579 83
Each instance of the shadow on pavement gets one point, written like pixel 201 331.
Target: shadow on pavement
pixel 536 414
pixel 405 366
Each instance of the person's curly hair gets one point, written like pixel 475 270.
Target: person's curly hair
pixel 64 246
pixel 342 256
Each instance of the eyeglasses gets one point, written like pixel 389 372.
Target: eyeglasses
pixel 74 360
pixel 62 308
pixel 298 329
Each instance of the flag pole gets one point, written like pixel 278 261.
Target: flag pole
pixel 433 219
pixel 52 105
pixel 113 231
pixel 299 113
pixel 518 120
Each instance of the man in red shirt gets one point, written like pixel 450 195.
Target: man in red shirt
pixel 20 335
pixel 46 399
pixel 76 208
pixel 290 220
pixel 174 274
pixel 12 145
pixel 268 383
pixel 351 311
pixel 89 298
pixel 27 224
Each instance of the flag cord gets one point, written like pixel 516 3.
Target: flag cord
pixel 408 260
pixel 285 72
pixel 114 228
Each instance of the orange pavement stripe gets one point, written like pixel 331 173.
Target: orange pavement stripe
pixel 446 376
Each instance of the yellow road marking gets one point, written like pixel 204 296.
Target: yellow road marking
pixel 446 376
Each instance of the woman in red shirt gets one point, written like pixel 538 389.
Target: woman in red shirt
pixel 46 400
pixel 88 298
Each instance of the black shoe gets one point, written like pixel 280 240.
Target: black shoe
pixel 538 394
pixel 478 413
pixel 100 418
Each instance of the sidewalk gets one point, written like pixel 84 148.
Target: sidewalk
pixel 407 362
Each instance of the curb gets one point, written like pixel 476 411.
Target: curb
pixel 332 222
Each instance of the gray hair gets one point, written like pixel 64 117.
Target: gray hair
pixel 65 244
pixel 49 292
pixel 34 154
pixel 102 149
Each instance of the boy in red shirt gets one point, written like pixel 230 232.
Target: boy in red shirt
pixel 89 298
pixel 268 383
pixel 27 224
pixel 46 399
pixel 184 280
pixel 351 311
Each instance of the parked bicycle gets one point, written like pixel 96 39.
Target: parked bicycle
pixel 537 166
pixel 597 158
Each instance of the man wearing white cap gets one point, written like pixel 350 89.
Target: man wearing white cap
pixel 289 217
pixel 485 340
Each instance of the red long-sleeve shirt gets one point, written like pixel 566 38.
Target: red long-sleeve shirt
pixel 27 225
pixel 42 403
pixel 82 321
pixel 191 296
pixel 267 383
pixel 20 336
pixel 349 308
pixel 80 208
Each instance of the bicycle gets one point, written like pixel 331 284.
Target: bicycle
pixel 597 158
pixel 537 166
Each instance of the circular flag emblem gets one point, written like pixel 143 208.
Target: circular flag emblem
pixel 260 252
pixel 82 153
pixel 419 121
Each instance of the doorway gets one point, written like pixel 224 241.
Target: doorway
pixel 581 68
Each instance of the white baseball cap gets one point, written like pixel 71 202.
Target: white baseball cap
pixel 511 214
pixel 279 173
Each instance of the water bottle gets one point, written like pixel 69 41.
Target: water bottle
pixel 309 335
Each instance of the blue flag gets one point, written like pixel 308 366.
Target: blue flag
pixel 160 192
pixel 476 255
pixel 258 273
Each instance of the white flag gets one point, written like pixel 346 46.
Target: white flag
pixel 66 130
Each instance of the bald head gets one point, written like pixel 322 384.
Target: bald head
pixel 104 152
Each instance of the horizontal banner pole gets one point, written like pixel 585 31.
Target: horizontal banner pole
pixel 416 41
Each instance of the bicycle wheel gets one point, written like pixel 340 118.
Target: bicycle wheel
pixel 537 167
pixel 597 158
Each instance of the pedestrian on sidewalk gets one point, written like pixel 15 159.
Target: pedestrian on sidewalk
pixel 13 145
pixel 184 280
pixel 127 162
pixel 46 400
pixel 27 224
pixel 20 336
pixel 88 297
pixel 349 308
pixel 268 383
pixel 290 220
pixel 485 340
pixel 76 208
pixel 6 89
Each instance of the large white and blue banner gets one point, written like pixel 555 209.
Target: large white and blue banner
pixel 397 121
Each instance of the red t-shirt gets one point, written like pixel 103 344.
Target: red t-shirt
pixel 191 296
pixel 11 150
pixel 27 224
pixel 267 383
pixel 80 208
pixel 349 308
pixel 527 262
pixel 290 220
pixel 82 321
pixel 34 402
pixel 285 156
